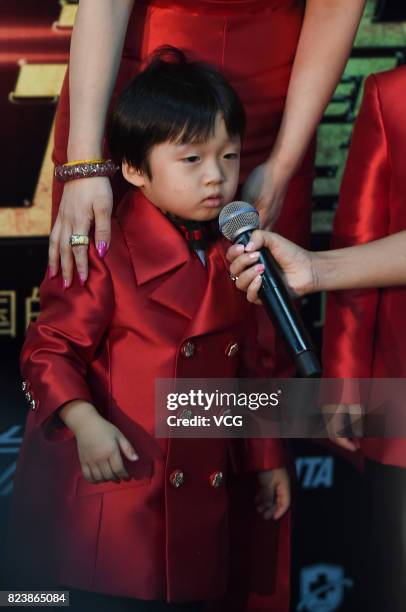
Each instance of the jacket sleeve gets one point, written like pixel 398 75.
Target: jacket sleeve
pixel 362 215
pixel 64 339
pixel 256 362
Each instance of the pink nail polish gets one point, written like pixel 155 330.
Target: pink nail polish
pixel 260 268
pixel 65 284
pixel 82 279
pixel 254 256
pixel 51 273
pixel 102 248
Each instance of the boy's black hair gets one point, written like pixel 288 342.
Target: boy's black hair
pixel 175 100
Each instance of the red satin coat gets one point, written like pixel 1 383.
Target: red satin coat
pixel 365 334
pixel 107 343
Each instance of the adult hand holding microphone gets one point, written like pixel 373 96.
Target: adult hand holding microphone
pixel 237 221
pixel 296 265
pixel 379 263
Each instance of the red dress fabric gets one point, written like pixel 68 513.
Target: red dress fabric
pixel 365 334
pixel 253 43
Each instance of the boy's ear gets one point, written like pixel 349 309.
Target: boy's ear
pixel 133 175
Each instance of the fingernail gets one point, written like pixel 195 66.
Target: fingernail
pixel 51 273
pixel 249 246
pixel 254 256
pixel 134 456
pixel 82 279
pixel 239 248
pixel 260 268
pixel 102 248
pixel 258 280
pixel 65 284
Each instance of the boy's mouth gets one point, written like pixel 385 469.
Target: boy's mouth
pixel 214 201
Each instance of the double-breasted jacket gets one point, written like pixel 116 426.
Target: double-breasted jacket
pixel 149 310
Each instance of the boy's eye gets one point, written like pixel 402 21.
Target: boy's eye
pixel 231 156
pixel 191 159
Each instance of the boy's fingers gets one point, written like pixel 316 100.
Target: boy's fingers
pixel 117 466
pixel 127 449
pixel 267 509
pixel 106 471
pixel 86 472
pixel 96 474
pixel 282 501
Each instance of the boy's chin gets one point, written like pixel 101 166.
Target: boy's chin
pixel 208 214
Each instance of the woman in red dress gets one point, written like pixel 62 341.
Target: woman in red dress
pixel 284 58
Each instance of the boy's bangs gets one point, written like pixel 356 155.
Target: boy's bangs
pixel 197 126
pixel 194 129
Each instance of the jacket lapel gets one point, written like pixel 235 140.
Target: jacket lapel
pixel 204 295
pixel 221 304
pixel 158 251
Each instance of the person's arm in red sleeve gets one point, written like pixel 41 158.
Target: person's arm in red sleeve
pixel 64 339
pixel 260 453
pixel 362 216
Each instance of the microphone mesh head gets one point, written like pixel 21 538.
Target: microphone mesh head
pixel 236 216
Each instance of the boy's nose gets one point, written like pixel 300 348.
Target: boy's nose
pixel 214 173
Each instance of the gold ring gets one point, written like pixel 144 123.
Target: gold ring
pixel 78 240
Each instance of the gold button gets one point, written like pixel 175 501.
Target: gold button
pixel 33 404
pixel 177 478
pixel 28 396
pixel 216 479
pixel 188 349
pixel 232 349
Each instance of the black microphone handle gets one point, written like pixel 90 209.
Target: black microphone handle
pixel 280 309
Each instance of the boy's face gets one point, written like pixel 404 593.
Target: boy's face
pixel 192 181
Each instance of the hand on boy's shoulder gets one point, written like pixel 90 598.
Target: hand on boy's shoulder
pixel 273 498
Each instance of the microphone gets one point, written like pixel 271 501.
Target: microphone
pixel 237 221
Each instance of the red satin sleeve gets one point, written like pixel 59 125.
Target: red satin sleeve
pixel 256 362
pixel 362 215
pixel 64 339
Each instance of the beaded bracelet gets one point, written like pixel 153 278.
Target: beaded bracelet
pixel 85 169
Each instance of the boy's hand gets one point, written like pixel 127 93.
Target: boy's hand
pixel 273 499
pixel 99 443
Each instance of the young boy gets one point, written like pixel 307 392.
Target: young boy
pixel 124 513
